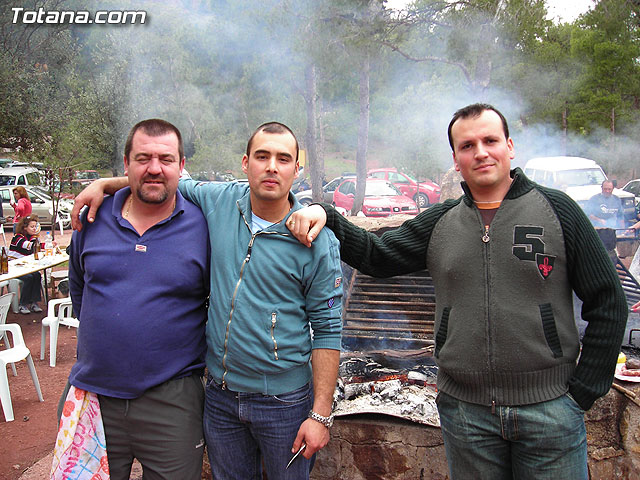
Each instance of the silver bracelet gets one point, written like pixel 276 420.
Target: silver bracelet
pixel 326 421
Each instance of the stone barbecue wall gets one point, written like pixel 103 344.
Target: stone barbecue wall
pixel 379 447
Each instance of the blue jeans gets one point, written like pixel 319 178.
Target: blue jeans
pixel 545 440
pixel 243 430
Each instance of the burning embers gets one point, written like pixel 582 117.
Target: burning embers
pixel 366 386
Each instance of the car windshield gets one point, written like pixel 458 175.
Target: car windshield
pixel 87 175
pixel 7 180
pixel 42 192
pixel 576 178
pixel 381 189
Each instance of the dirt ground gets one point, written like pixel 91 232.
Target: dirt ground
pixel 32 434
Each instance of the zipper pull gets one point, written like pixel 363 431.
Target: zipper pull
pixel 248 257
pixel 493 407
pixel 485 237
pixel 273 334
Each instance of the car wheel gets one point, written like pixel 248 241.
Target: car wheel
pixel 422 200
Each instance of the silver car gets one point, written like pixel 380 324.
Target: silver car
pixel 304 197
pixel 41 204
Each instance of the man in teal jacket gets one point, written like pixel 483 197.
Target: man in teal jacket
pixel 274 306
pixel 513 381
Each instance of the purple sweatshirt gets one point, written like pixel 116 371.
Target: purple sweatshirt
pixel 141 300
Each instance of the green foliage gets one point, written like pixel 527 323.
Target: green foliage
pixel 217 69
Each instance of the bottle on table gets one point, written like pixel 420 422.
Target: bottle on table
pixel 36 249
pixel 4 261
pixel 48 245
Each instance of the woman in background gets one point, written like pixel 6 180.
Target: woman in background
pixel 22 206
pixel 23 244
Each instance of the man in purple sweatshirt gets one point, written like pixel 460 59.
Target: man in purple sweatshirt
pixel 139 280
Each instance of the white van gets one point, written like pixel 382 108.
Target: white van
pixel 19 176
pixel 579 177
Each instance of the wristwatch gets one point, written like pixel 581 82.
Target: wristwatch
pixel 326 421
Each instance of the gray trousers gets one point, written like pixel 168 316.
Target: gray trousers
pixel 162 429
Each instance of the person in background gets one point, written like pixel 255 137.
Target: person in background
pixel 22 205
pixel 605 209
pixel 23 244
pixel 505 257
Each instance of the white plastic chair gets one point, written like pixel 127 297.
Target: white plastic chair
pixel 18 352
pixel 14 288
pixel 52 321
pixel 15 285
pixel 4 336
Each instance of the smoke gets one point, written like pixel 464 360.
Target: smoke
pixel 219 71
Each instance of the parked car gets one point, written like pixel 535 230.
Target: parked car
pixel 19 176
pixel 633 187
pixel 428 193
pixel 381 198
pixel 580 178
pixel 85 177
pixel 41 204
pixel 304 197
pixel 36 165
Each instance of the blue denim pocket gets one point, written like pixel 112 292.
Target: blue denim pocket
pixel 297 396
pixel 573 401
pixel 210 382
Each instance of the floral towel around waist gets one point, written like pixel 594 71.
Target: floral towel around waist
pixel 80 452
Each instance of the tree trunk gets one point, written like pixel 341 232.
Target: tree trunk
pixel 321 139
pixel 363 137
pixel 311 136
pixel 565 130
pixel 613 122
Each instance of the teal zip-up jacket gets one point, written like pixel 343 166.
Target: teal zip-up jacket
pixel 268 291
pixel 505 333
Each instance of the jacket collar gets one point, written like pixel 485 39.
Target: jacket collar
pixel 244 206
pixel 520 185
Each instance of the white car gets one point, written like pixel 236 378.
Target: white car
pixel 580 178
pixel 41 204
pixel 20 176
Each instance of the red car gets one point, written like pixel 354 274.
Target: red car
pixel 429 191
pixel 381 199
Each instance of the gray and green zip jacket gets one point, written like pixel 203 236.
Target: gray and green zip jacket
pixel 267 291
pixel 505 333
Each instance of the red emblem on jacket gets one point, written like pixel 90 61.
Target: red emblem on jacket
pixel 545 264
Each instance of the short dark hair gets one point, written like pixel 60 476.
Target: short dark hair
pixel 475 110
pixel 607 181
pixel 273 127
pixel 154 127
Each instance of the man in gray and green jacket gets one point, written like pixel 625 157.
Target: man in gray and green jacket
pixel 513 382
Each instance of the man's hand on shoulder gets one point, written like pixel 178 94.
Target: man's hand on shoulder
pixel 305 224
pixel 92 197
